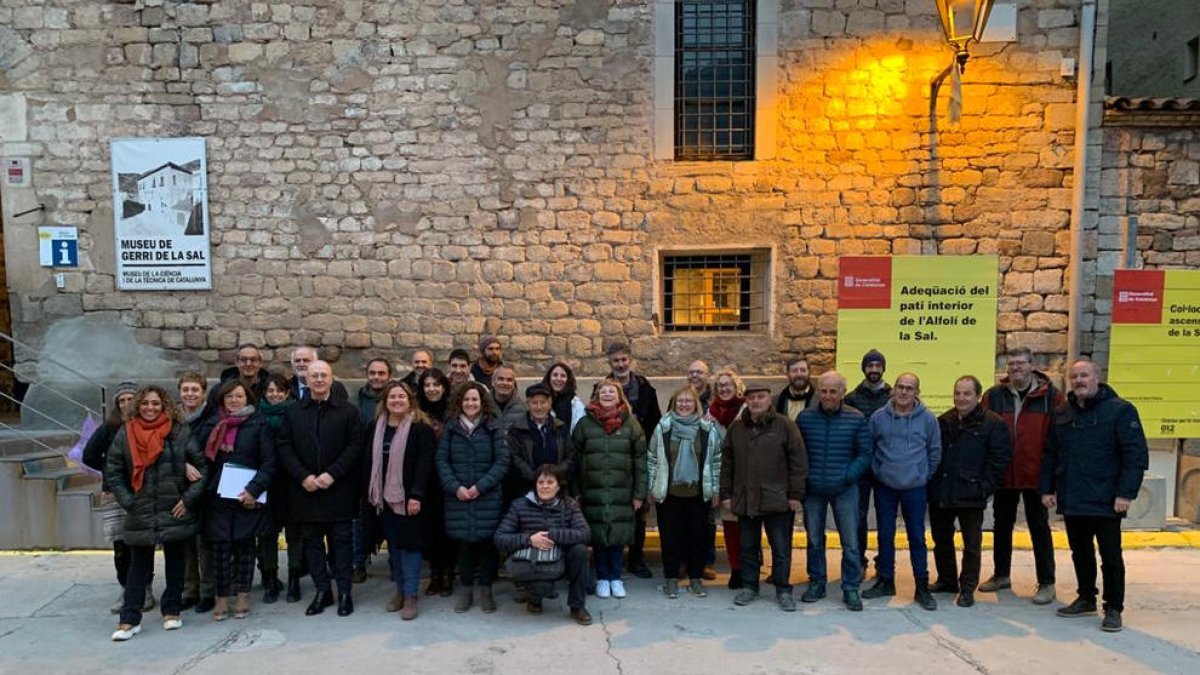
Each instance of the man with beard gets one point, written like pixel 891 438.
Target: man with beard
pixel 249 369
pixel 490 357
pixel 422 360
pixel 643 402
pixel 798 394
pixel 379 371
pixel 697 377
pixel 460 370
pixel 867 397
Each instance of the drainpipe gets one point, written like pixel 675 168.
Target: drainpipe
pixel 1087 28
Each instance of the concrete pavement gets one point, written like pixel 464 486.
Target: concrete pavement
pixel 54 619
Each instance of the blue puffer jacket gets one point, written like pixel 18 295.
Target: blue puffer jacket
pixel 839 448
pixel 907 447
pixel 480 459
pixel 1096 452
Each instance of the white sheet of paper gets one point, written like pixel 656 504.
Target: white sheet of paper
pixel 234 479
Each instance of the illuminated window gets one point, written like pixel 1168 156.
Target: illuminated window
pixel 714 80
pixel 722 292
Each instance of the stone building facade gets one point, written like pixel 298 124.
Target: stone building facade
pixel 389 175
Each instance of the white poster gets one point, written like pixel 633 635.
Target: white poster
pixel 160 209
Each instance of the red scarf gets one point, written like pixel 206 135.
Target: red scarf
pixel 723 411
pixel 146 441
pixel 611 418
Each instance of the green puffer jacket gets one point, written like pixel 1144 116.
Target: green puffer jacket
pixel 149 521
pixel 611 474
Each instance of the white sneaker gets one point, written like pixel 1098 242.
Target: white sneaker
pixel 173 623
pixel 602 590
pixel 618 589
pixel 123 634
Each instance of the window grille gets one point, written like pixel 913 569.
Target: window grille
pixel 714 80
pixel 721 292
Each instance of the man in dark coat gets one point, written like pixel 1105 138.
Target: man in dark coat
pixel 839 451
pixel 643 403
pixel 867 397
pixel 379 371
pixel 320 445
pixel 422 360
pixel 537 438
pixel 975 452
pixel 1092 471
pixel 799 392
pixel 249 369
pixel 763 472
pixel 491 355
pixel 302 357
pixel 1025 399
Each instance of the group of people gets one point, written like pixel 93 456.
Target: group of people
pixel 459 470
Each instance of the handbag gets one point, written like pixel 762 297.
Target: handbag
pixel 535 564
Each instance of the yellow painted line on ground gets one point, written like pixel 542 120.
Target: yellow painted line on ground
pixel 1129 540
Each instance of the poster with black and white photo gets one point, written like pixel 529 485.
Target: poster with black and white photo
pixel 160 210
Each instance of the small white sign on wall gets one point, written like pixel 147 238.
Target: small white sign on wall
pixel 58 246
pixel 16 172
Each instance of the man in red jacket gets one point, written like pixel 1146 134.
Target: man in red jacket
pixel 1026 400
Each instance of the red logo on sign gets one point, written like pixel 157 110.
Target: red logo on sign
pixel 1138 296
pixel 865 282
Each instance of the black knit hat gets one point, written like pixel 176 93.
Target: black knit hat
pixel 873 356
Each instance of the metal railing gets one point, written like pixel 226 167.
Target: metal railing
pixel 24 405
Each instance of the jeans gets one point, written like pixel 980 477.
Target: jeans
pixel 910 503
pixel 779 537
pixel 1004 509
pixel 141 570
pixel 608 562
pixel 1106 534
pixel 941 525
pixel 845 516
pixel 576 557
pixel 362 548
pixel 477 561
pixel 121 560
pixel 337 557
pixel 404 557
pixel 683 528
pixel 866 483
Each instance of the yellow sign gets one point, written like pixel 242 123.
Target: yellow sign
pixel 1154 361
pixel 931 315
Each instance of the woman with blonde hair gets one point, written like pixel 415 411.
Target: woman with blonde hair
pixel 610 451
pixel 726 405
pixel 684 466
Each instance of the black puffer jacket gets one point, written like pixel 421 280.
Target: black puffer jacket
pixel 975 453
pixel 322 437
pixel 479 458
pixel 561 518
pixel 149 521
pixel 226 519
pixel 1096 452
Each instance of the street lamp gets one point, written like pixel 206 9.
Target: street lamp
pixel 963 22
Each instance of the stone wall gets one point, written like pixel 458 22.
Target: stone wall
pixel 387 175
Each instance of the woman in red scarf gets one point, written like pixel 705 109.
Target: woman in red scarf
pixel 146 471
pixel 725 406
pixel 610 449
pixel 240 437
pixel 399 470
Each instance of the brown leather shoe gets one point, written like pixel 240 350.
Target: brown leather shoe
pixel 409 612
pixel 395 603
pixel 581 616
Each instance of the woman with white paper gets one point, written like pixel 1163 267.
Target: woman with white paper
pixel 239 445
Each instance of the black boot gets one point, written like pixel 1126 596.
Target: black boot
pixel 735 579
pixel 923 597
pixel 345 604
pixel 320 601
pixel 883 588
pixel 271 588
pixel 293 588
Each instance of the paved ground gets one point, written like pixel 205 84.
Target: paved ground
pixel 54 619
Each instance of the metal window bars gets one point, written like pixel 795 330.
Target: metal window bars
pixel 714 293
pixel 714 80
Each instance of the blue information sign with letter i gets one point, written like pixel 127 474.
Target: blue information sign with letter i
pixel 65 252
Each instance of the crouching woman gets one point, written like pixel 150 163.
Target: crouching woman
pixel 543 520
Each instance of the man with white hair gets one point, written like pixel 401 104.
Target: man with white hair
pixel 302 357
pixel 839 451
